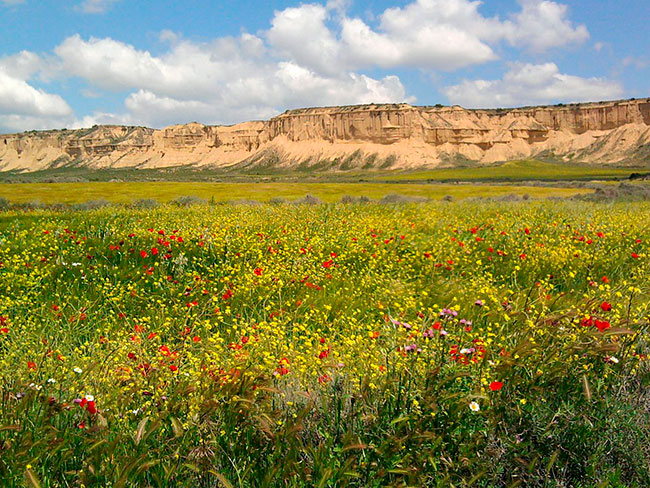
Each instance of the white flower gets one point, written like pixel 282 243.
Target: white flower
pixel 35 386
pixel 613 359
pixel 78 370
pixel 474 407
pixel 90 398
pixel 51 381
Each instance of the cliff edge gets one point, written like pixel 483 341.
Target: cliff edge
pixel 395 136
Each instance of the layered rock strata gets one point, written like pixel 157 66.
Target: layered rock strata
pixel 397 136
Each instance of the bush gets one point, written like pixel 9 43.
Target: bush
pixel 349 199
pixel 188 201
pixel 394 198
pixel 144 203
pixel 92 204
pixel 308 200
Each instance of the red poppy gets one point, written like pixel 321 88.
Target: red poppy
pixel 605 306
pixel 283 367
pixel 635 255
pixel 328 264
pixel 496 385
pixel 91 407
pixel 31 365
pixel 602 325
pixel 173 368
pixel 258 271
pixel 144 254
pixel 196 339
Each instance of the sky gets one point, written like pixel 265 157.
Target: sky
pixel 76 63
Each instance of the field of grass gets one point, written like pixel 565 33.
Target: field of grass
pixel 127 192
pixel 527 170
pixel 518 171
pixel 440 344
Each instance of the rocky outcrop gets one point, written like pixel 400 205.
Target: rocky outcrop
pixel 396 135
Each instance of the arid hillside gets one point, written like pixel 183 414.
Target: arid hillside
pixel 367 136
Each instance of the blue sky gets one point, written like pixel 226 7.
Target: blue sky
pixel 165 62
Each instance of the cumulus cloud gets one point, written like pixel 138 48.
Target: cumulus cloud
pixel 23 106
pixel 425 34
pixel 428 34
pixel 530 84
pixel 542 25
pixel 227 80
pixel 312 54
pixel 301 34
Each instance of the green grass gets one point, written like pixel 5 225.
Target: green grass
pixel 126 192
pixel 518 171
pixel 510 171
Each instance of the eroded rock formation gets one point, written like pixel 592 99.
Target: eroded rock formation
pixel 397 135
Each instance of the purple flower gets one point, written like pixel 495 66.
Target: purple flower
pixel 479 303
pixel 397 323
pixel 446 312
pixel 412 348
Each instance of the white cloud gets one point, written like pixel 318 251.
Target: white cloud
pixel 22 65
pixel 542 25
pixel 18 97
pixel 312 54
pixel 302 35
pixel 96 6
pixel 22 106
pixel 531 84
pixel 425 34
pixel 224 81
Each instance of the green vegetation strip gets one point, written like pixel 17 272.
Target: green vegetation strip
pixel 518 171
pixel 127 192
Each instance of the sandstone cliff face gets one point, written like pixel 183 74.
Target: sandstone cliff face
pixel 398 135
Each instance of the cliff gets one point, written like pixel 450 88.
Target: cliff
pixel 367 136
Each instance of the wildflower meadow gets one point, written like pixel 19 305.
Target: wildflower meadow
pixel 412 344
